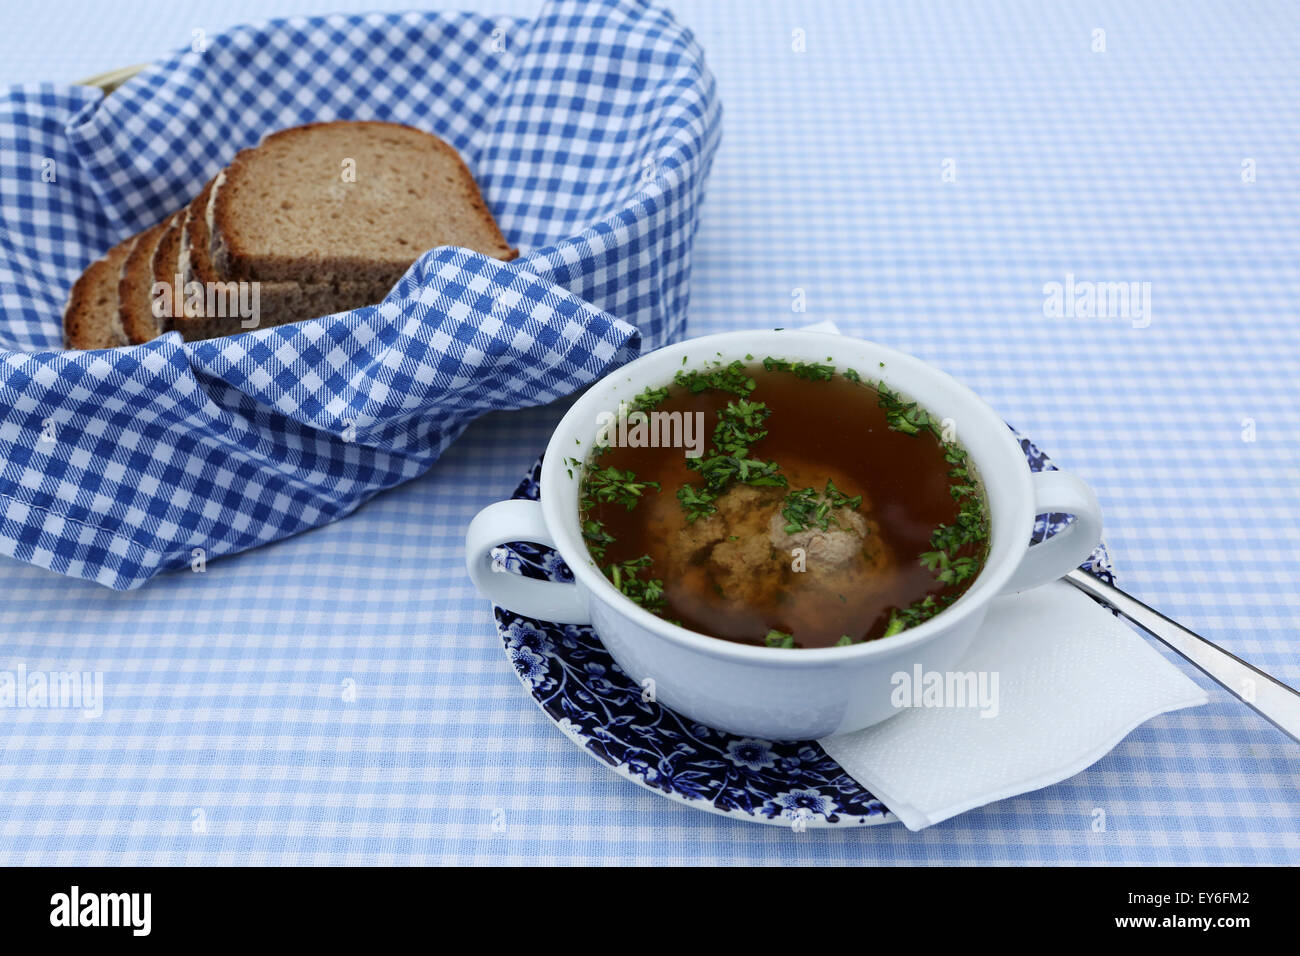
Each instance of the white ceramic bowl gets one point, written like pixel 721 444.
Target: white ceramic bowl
pixel 777 693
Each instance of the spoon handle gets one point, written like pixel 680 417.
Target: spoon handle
pixel 1274 701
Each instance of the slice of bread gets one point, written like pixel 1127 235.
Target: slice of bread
pixel 91 319
pixel 168 267
pixel 135 289
pixel 285 233
pixel 278 301
pixel 164 268
pixel 345 202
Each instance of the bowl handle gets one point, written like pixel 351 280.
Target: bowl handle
pixel 1059 492
pixel 518 520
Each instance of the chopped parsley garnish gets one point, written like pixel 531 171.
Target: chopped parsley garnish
pixel 897 623
pixel 950 570
pixel 649 398
pixel 696 503
pixel 728 378
pixel 968 533
pixel 812 371
pixel 727 462
pixel 720 471
pixel 805 508
pixel 740 424
pixel 906 417
pixel 647 592
pixel 775 638
pixel 612 484
pixel 597 538
pixel 917 613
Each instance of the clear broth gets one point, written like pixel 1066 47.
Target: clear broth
pixel 834 429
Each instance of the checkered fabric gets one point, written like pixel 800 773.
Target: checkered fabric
pixel 341 697
pixel 591 130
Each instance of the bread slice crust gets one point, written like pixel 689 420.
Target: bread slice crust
pixel 166 259
pixel 287 209
pixel 135 289
pixel 92 318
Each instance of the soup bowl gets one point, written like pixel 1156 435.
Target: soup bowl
pixel 768 692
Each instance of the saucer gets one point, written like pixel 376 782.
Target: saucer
pixel 572 678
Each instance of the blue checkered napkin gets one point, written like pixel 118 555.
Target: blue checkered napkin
pixel 590 130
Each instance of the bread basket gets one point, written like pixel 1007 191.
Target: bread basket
pixel 116 465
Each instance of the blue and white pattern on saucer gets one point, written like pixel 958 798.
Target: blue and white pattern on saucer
pixel 574 680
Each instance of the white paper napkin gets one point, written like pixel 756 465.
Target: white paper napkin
pixel 1072 681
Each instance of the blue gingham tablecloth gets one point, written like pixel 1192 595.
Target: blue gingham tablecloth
pixel 917 172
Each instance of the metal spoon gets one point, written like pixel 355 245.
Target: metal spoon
pixel 1269 697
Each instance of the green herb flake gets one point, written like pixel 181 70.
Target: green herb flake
pixel 806 508
pixel 596 537
pixel 775 638
pixel 728 378
pixel 610 484
pixel 696 502
pixel 811 371
pixel 626 577
pixel 903 416
pixel 720 471
pixel 740 424
pixel 649 398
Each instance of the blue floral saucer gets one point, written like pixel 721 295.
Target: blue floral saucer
pixel 573 679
